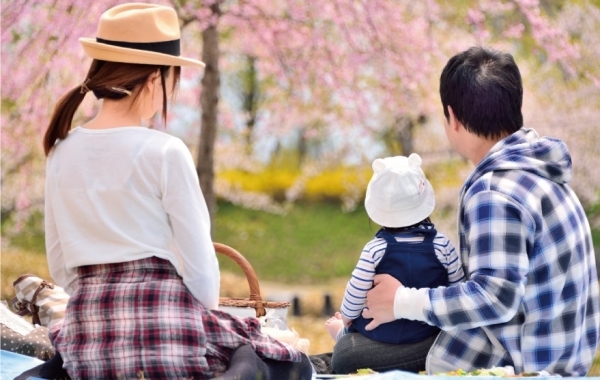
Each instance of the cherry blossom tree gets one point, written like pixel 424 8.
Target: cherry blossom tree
pixel 354 67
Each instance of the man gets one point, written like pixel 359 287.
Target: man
pixel 531 297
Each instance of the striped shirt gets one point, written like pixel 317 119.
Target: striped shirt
pixel 364 272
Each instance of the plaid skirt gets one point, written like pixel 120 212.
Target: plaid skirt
pixel 137 318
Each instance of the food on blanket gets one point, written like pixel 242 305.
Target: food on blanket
pixel 507 371
pixel 537 374
pixel 365 371
pixel 494 371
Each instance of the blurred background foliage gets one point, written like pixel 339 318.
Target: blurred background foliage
pixel 310 93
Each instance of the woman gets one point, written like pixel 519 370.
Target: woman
pixel 127 228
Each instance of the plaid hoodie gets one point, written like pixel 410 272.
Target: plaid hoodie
pixel 531 297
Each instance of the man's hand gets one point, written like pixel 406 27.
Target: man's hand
pixel 380 301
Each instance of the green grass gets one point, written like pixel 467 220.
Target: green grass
pixel 312 244
pixel 595 370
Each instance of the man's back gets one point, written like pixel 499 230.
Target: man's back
pixel 526 243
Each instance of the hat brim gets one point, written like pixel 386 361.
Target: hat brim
pixel 112 53
pixel 401 218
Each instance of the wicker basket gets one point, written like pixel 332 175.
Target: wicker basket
pixel 254 301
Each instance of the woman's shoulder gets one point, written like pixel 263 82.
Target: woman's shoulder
pixel 141 141
pixel 155 141
pixel 133 130
pixel 154 133
pixel 163 137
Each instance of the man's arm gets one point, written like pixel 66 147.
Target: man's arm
pixel 497 232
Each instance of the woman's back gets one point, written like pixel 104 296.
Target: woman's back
pixel 124 194
pixel 106 185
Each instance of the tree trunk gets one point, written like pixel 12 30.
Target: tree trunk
pixel 209 102
pixel 404 134
pixel 250 96
pixel 302 147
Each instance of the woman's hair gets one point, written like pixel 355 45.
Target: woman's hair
pixel 101 78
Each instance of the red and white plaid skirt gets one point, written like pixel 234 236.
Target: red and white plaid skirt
pixel 138 317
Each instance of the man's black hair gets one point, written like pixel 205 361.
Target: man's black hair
pixel 484 89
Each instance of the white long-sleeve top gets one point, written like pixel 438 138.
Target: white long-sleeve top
pixel 124 194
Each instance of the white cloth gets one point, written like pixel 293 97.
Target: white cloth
pixel 14 322
pixel 410 303
pixel 124 194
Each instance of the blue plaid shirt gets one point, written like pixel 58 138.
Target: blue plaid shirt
pixel 531 299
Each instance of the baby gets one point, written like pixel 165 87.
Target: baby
pixel 400 199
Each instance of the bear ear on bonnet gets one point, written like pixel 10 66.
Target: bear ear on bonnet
pixel 397 162
pixel 415 160
pixel 378 165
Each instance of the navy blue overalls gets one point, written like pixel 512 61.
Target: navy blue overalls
pixel 415 265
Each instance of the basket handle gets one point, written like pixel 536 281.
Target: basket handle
pixel 248 271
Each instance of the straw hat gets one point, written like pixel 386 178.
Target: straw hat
pixel 138 33
pixel 398 194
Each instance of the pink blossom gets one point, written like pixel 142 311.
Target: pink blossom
pixel 475 17
pixel 515 31
pixel 351 66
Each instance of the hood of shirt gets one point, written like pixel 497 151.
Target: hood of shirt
pixel 525 150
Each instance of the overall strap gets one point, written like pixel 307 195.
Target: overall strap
pixel 430 233
pixel 383 234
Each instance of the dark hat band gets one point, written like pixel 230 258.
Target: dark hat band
pixel 165 47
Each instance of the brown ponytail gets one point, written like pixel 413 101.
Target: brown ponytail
pixel 62 117
pixel 101 78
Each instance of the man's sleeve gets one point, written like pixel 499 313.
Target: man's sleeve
pixel 497 233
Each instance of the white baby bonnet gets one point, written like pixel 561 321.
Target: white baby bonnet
pixel 399 194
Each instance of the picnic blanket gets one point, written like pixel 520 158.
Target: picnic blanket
pixel 13 364
pixel 394 375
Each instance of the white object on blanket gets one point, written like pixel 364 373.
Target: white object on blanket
pixel 14 322
pixel 274 326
